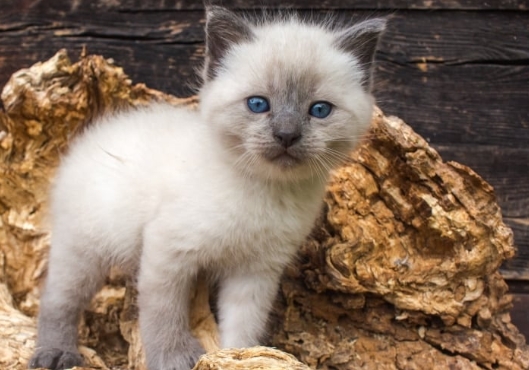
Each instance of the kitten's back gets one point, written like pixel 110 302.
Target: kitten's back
pixel 114 174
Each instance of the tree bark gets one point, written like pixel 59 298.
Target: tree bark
pixel 400 271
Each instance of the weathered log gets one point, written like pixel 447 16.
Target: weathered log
pixel 255 358
pixel 401 269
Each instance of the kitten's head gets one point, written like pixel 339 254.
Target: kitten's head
pixel 289 99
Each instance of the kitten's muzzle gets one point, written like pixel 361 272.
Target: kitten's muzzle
pixel 287 128
pixel 285 154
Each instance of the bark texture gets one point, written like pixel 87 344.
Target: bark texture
pixel 400 271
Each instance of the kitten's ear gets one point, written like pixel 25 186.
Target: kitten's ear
pixel 361 40
pixel 223 30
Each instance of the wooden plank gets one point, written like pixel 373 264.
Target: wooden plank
pixel 520 313
pixel 169 70
pixel 457 37
pixel 461 76
pixel 171 5
pixel 161 50
pixel 521 5
pixel 518 287
pixel 413 38
pixel 518 268
pixel 477 104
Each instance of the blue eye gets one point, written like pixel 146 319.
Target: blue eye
pixel 320 109
pixel 258 104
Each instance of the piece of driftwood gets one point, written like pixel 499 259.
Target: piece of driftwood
pixel 255 358
pixel 400 272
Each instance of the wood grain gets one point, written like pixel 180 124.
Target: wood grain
pixel 163 5
pixel 517 269
pixel 478 104
pixel 520 314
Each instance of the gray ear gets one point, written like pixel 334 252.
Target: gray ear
pixel 361 40
pixel 223 30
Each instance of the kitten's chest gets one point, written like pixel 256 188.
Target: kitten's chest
pixel 262 224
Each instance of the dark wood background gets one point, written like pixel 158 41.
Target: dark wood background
pixel 457 71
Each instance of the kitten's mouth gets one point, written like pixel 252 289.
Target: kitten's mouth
pixel 285 159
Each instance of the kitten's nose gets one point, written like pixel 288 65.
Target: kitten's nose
pixel 287 138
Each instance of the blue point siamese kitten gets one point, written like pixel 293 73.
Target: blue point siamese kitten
pixel 231 189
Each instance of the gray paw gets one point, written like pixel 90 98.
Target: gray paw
pixel 178 360
pixel 55 359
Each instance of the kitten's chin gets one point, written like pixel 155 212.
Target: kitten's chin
pixel 285 161
pixel 282 168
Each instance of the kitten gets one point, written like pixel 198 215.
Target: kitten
pixel 231 189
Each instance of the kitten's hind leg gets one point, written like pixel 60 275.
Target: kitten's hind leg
pixel 73 278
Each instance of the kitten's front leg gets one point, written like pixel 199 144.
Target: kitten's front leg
pixel 164 286
pixel 245 301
